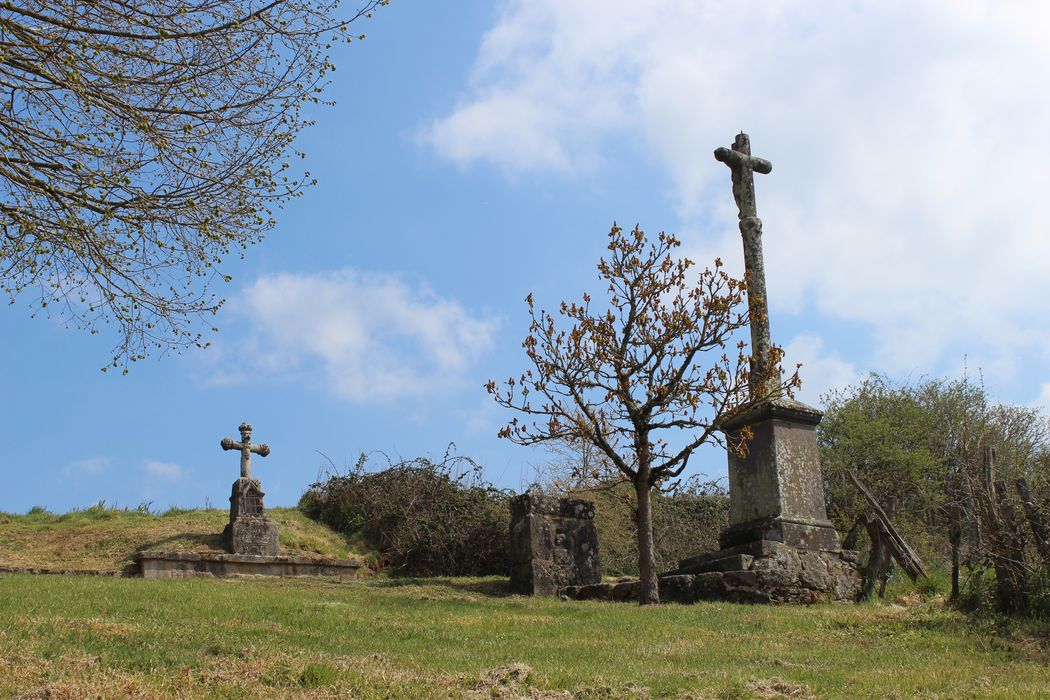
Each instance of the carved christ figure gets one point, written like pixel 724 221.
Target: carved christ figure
pixel 247 448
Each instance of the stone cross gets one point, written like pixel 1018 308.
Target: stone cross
pixel 743 165
pixel 246 447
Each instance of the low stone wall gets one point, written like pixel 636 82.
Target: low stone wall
pixel 192 564
pixel 761 572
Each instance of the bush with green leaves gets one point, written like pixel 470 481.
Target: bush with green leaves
pixel 423 518
pixel 944 456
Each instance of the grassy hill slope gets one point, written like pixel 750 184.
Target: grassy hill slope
pixel 104 539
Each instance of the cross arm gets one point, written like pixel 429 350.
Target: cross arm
pixel 228 444
pixel 736 159
pixel 261 450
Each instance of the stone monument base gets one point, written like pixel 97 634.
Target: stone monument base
pixel 220 565
pixel 757 572
pixel 802 533
pixel 252 534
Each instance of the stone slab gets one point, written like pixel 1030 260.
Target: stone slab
pixel 254 535
pixel 221 565
pixel 766 572
pixel 732 562
pixel 813 535
pixel 757 548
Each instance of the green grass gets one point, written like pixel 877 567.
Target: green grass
pixel 246 638
pixel 104 539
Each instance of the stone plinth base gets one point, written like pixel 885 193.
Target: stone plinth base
pixel 216 564
pixel 813 535
pixel 553 544
pixel 758 572
pixel 254 535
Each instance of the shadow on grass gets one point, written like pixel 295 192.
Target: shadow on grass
pixel 1029 635
pixel 493 587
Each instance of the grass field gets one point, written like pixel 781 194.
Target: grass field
pixel 85 636
pixel 71 637
pixel 104 539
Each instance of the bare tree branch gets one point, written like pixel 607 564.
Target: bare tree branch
pixel 141 144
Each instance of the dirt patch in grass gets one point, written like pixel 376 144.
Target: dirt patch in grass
pixel 778 688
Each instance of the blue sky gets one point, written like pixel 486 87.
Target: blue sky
pixel 480 151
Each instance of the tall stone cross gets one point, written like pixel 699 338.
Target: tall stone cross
pixel 246 447
pixel 743 165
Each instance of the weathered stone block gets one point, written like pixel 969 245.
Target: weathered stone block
pixel 678 589
pixel 814 573
pixel 252 535
pixel 775 489
pixel 624 591
pixel 554 544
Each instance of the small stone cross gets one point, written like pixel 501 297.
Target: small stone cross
pixel 743 166
pixel 246 447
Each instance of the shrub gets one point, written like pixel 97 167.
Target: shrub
pixel 937 583
pixel 1039 593
pixel 423 518
pixel 686 522
pixel 977 593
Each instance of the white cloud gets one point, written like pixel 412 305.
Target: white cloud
pixel 907 191
pixel 1043 400
pixel 370 336
pixel 165 470
pixel 91 465
pixel 549 81
pixel 821 370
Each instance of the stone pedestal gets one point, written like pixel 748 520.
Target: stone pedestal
pixel 780 546
pixel 775 491
pixel 249 530
pixel 553 544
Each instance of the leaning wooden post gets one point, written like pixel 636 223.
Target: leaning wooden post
pixel 904 554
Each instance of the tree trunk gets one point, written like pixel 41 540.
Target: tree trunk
pixel 1010 568
pixel 955 540
pixel 873 569
pixel 1040 530
pixel 648 586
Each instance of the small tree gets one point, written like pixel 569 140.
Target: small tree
pixel 647 379
pixel 141 143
